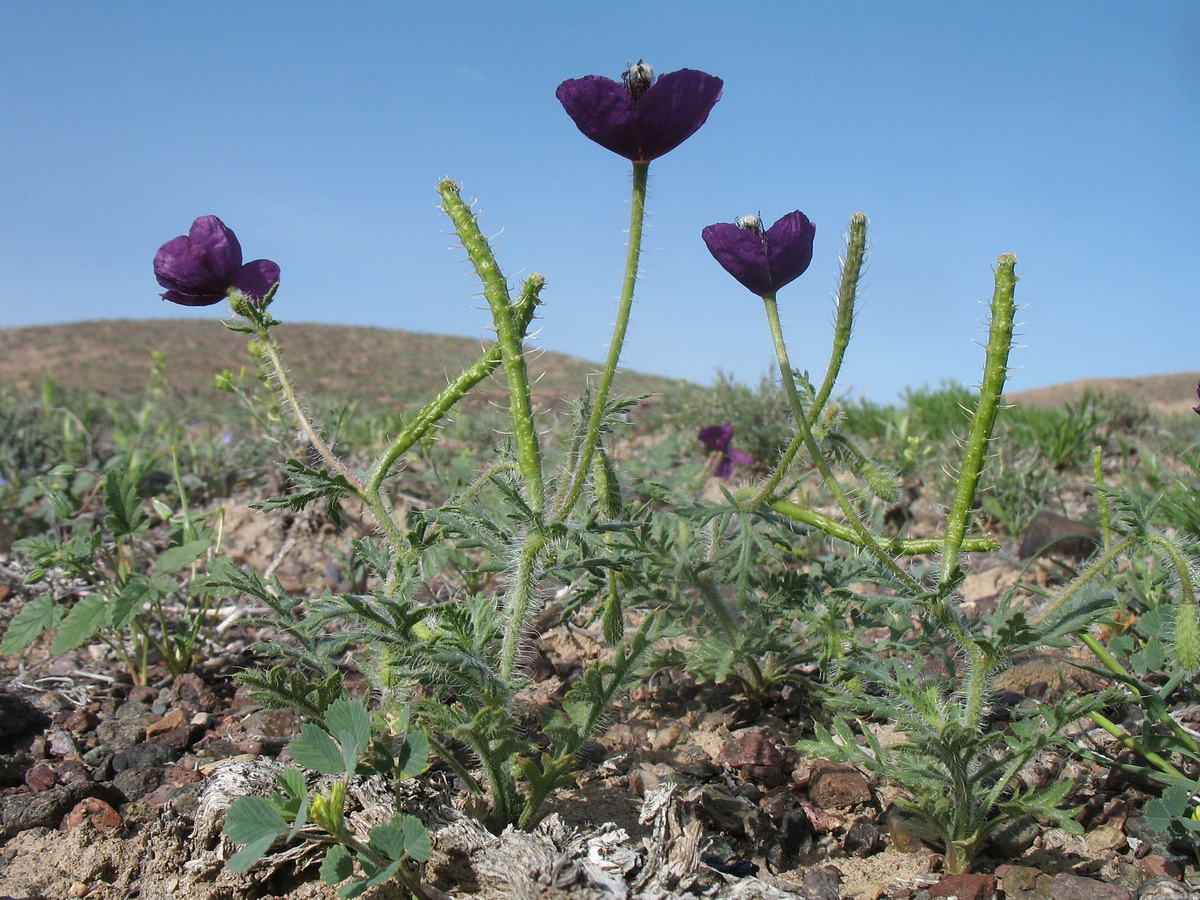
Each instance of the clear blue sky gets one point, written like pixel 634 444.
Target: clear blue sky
pixel 1064 132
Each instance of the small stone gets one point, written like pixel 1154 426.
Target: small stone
pixel 1164 888
pixel 1074 887
pixel 61 744
pixel 77 889
pixel 94 810
pixel 863 838
pixel 824 883
pixel 143 693
pixel 170 721
pixel 1155 866
pixel 190 692
pixel 1014 837
pixel 910 832
pixel 1106 838
pixel 1058 536
pixel 836 786
pixel 41 778
pixel 965 887
pixel 751 748
pixel 144 756
pixel 1022 882
pixel 80 721
pixel 136 783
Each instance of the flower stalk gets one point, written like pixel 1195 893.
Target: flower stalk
pixel 577 477
pixel 509 336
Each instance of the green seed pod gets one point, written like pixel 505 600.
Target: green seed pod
pixel 882 483
pixel 1187 636
pixel 608 489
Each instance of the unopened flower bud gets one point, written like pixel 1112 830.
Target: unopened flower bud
pixel 1187 636
pixel 637 78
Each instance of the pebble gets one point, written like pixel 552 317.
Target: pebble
pixel 1074 887
pixel 835 786
pixel 1106 838
pixel 965 887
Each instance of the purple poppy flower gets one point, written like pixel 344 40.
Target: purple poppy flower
pixel 717 438
pixel 199 268
pixel 638 117
pixel 763 261
pixel 1196 409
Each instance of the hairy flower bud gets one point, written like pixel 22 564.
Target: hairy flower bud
pixel 1187 636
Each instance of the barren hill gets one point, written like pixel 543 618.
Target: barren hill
pixel 378 367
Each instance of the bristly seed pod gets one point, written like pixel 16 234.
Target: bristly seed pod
pixel 1187 636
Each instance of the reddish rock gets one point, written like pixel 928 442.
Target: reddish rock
pixel 190 693
pixel 1156 866
pixel 41 778
pixel 170 721
pixel 80 721
pixel 965 887
pixel 751 748
pixel 94 810
pixel 835 786
pixel 1074 887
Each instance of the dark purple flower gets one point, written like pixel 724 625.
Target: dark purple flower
pixel 638 117
pixel 717 438
pixel 763 261
pixel 199 268
pixel 1196 409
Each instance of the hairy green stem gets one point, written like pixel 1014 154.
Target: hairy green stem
pixel 299 415
pixel 521 603
pixel 991 394
pixel 865 538
pixel 436 409
pixel 509 336
pixel 847 296
pixel 897 546
pixel 1101 499
pixel 637 214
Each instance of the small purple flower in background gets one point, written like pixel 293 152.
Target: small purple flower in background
pixel 227 437
pixel 639 117
pixel 763 261
pixel 1196 409
pixel 723 458
pixel 199 268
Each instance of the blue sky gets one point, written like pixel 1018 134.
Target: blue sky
pixel 1063 132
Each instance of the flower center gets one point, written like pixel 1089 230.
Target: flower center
pixel 637 78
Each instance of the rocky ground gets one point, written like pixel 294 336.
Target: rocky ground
pixel 109 791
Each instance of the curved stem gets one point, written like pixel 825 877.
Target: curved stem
pixel 299 415
pixel 991 394
pixel 509 337
pixel 856 251
pixel 637 215
pixel 865 538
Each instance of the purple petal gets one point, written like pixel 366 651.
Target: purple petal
pixel 670 112
pixel 789 248
pixel 740 458
pixel 193 299
pixel 716 437
pixel 674 109
pixel 197 268
pixel 602 109
pixel 221 244
pixel 741 253
pixel 257 277
pixel 723 468
pixel 763 264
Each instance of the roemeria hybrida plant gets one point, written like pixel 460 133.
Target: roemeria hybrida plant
pixel 465 650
